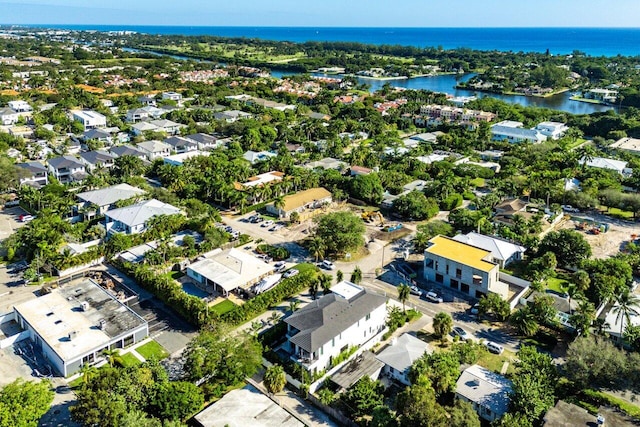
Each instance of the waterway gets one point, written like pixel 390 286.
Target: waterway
pixel 446 83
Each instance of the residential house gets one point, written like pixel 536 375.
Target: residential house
pixel 140 128
pixel 566 414
pixel 630 145
pixel 232 116
pixel 228 270
pixel 610 164
pixel 350 316
pixel 147 100
pixel 258 156
pixel 615 320
pixel 604 95
pixel 415 140
pixel 552 130
pixel 503 252
pixel 100 135
pixel 507 209
pixel 564 307
pixel 263 179
pixel 327 163
pixel 181 145
pixel 306 203
pixel 245 407
pixel 8 117
pixel 97 159
pixel 359 170
pixel 35 174
pixel 179 159
pixel 133 219
pixel 388 198
pixel 487 392
pixel 144 113
pixel 399 356
pixel 73 325
pixel 319 116
pixel 20 106
pixel 67 169
pixel 167 126
pixel 154 149
pixel 514 132
pixel 462 267
pixel 89 119
pixel 100 201
pixel 128 150
pixel 172 96
pixel 205 142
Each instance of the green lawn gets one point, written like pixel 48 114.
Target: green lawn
pixel 619 213
pixel 557 284
pixel 305 266
pixel 129 359
pixel 575 143
pixel 152 349
pixel 494 362
pixel 223 307
pixel 175 275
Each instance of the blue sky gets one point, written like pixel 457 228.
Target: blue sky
pixel 329 13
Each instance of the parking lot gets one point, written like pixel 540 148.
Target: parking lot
pixel 10 221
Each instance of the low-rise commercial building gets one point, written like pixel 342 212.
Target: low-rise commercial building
pixel 306 203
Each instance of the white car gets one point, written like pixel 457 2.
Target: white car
pixel 327 264
pixel 268 223
pixel 569 208
pixel 433 297
pixel 290 273
pixel 464 335
pixel 279 266
pixel 493 347
pixel 414 290
pixel 26 218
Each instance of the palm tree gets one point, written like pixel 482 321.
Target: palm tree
pixel 313 289
pixel 572 292
pixel 275 379
pixel 339 276
pixel 278 203
pixel 113 356
pixel 442 324
pixel 316 248
pixel 294 305
pixel 356 276
pixel 403 294
pixel 525 321
pixel 601 326
pixel 87 372
pixel 325 283
pixel 626 305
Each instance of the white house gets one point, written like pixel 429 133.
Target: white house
pixel 128 150
pixel 74 324
pixel 611 164
pixel 630 145
pixel 205 141
pixel 142 127
pixel 181 145
pixel 179 159
pixel 229 270
pixel 168 126
pixel 552 130
pixel 106 198
pixel 97 159
pixel 615 320
pixel 35 174
pixel 20 106
pixel 8 116
pixel 232 116
pixel 502 252
pixel 144 113
pixel 349 316
pixel 133 219
pixel 263 179
pixel 67 169
pixel 258 156
pixel 514 132
pixel 154 149
pixel 89 119
pixel 487 391
pixel 173 96
pixel 399 356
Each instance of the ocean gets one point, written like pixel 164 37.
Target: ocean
pixel 592 41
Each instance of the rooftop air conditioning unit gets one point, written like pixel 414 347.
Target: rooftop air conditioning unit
pixel 72 335
pixel 102 324
pixel 84 306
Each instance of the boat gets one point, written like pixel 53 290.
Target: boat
pixel 267 283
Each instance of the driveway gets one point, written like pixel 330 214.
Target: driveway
pixel 9 221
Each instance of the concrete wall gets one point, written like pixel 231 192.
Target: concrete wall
pixel 72 270
pixel 8 342
pixel 8 317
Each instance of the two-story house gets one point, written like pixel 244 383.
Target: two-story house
pixel 89 119
pixel 35 174
pixel 8 117
pixel 503 252
pixel 462 267
pixel 144 113
pixel 181 145
pixel 154 149
pixel 98 202
pixel 67 169
pixel 134 219
pixel 128 150
pixel 514 132
pixel 205 141
pixel 97 159
pixel 349 316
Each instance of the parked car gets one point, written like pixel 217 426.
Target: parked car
pixel 569 208
pixel 26 218
pixel 475 309
pixel 257 220
pixel 268 223
pixel 327 264
pixel 265 257
pixel 276 227
pixel 433 297
pixel 493 347
pixel 290 273
pixel 414 290
pixel 464 335
pixel 279 266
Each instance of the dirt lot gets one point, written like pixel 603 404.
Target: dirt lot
pixel 605 244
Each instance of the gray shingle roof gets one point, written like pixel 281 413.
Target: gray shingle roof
pixel 97 156
pixel 65 162
pixel 178 141
pixel 401 354
pixel 140 213
pixel 327 317
pixel 110 195
pixel 126 150
pixel 33 167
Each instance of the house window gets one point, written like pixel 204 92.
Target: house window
pixel 368 316
pixel 439 278
pixel 333 342
pixel 458 273
pixel 447 269
pixel 428 262
pixel 464 288
pixel 453 284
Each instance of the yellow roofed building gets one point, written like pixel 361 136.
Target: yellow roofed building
pixel 307 203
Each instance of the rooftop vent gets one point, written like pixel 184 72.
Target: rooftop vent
pixel 73 335
pixel 102 324
pixel 84 306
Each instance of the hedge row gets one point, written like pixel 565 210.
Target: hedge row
pixel 286 289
